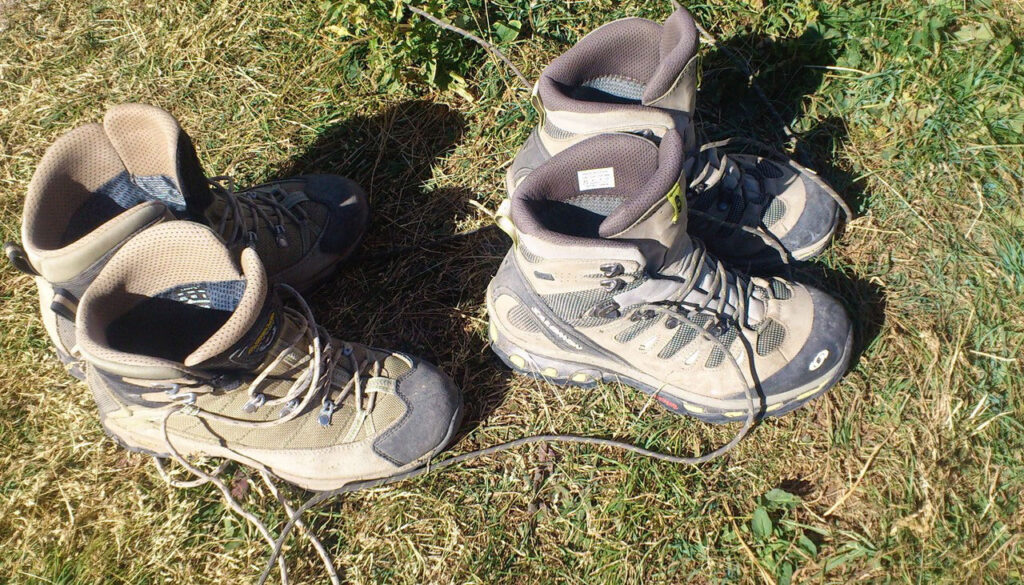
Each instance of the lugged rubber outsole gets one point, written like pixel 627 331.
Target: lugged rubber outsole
pixel 568 373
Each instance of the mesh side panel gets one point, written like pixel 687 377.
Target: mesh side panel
pixel 573 306
pixel 105 401
pixel 601 205
pixel 683 336
pixel 520 318
pixel 388 409
pixel 780 290
pixel 222 295
pixel 770 337
pixel 396 367
pixel 631 332
pixel 528 255
pixel 302 432
pixel 717 355
pixel 774 212
pixel 768 169
pixel 618 86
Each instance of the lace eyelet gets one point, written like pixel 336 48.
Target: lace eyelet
pixel 289 407
pixel 326 412
pixel 612 284
pixel 671 323
pixel 282 241
pixel 612 270
pixel 254 403
pixel 606 310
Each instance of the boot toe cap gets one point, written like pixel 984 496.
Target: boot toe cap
pixel 348 210
pixel 433 411
pixel 816 224
pixel 822 358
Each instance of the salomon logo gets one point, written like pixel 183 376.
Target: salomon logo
pixel 558 332
pixel 818 360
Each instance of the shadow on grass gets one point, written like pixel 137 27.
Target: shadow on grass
pixel 403 289
pixel 787 70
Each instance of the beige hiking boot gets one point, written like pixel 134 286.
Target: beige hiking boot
pixel 191 352
pixel 637 76
pixel 98 185
pixel 603 283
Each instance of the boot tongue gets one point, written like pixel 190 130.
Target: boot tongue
pixel 673 85
pixel 654 215
pixel 159 156
pixel 247 340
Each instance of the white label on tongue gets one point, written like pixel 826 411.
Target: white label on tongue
pixel 596 178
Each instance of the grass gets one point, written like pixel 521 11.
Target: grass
pixel 909 471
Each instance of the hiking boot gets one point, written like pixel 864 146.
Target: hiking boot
pixel 603 284
pixel 634 75
pixel 98 185
pixel 191 352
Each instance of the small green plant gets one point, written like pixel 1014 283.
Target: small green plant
pixel 780 543
pixel 394 47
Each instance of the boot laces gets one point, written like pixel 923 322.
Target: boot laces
pixel 254 209
pixel 721 187
pixel 320 360
pixel 709 287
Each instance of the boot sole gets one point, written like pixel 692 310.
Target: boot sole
pixel 187 448
pixel 570 373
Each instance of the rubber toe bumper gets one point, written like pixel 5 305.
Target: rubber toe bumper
pixel 433 404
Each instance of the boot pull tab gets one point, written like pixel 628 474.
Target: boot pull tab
pixel 19 259
pixel 64 304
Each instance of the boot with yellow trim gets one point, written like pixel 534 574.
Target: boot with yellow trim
pixel 604 284
pixel 754 208
pixel 100 184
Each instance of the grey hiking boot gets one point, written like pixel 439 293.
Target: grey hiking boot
pixel 192 352
pixel 634 75
pixel 98 185
pixel 603 283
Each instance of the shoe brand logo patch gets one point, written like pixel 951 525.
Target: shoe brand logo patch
pixel 596 179
pixel 265 337
pixel 558 332
pixel 818 360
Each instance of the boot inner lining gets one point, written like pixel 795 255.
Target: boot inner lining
pixel 174 323
pixel 122 192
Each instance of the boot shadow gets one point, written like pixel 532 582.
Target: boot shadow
pixel 411 286
pixel 864 301
pixel 787 71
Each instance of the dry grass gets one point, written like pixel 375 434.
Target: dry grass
pixel 909 471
